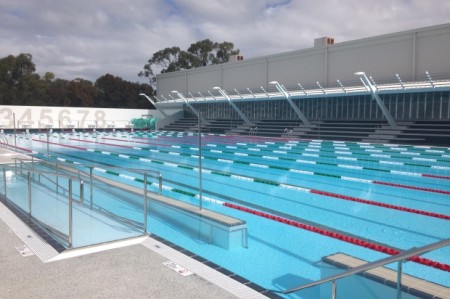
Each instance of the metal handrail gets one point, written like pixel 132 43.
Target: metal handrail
pixel 63 166
pixel 391 259
pixel 70 197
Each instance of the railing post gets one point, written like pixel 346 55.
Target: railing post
pixel 81 192
pixel 32 165
pixel 29 193
pixel 399 279
pixel 4 179
pixel 48 142
pixel 145 203
pixel 90 187
pixel 70 213
pixel 57 178
pixel 333 289
pixel 160 184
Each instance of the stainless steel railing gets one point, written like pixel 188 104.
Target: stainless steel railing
pixel 28 166
pixel 71 199
pixel 400 258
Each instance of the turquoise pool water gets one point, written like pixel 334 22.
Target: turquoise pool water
pixel 395 196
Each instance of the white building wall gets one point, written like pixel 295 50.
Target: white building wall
pixel 65 117
pixel 409 54
pixel 433 51
pixel 253 72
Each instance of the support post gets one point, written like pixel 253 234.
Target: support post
pixel 288 98
pixel 14 125
pixel 241 114
pixel 374 92
pixel 91 198
pixel 57 178
pixel 189 105
pixel 4 179
pixel 333 289
pixel 29 193
pixel 160 184
pixel 200 164
pixel 48 143
pixel 399 279
pixel 81 192
pixel 70 214
pixel 153 103
pixel 145 203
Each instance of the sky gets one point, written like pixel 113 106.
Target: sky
pixel 90 38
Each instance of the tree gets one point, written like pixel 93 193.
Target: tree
pixel 20 85
pixel 201 53
pixel 114 92
pixel 80 93
pixel 15 76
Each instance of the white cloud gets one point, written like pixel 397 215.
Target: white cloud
pixel 91 38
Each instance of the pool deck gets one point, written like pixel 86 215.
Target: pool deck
pixel 126 269
pixel 7 156
pixel 130 268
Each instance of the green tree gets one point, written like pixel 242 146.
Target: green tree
pixel 80 93
pixel 16 77
pixel 20 85
pixel 114 92
pixel 201 53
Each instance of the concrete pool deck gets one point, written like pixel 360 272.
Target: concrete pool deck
pixel 126 269
pixel 134 271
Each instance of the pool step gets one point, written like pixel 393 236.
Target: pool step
pixel 410 284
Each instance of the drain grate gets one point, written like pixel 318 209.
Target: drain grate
pixel 39 247
pixel 203 270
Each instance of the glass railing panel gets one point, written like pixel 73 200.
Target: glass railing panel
pixel 44 194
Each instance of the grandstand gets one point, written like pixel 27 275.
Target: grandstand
pixel 393 88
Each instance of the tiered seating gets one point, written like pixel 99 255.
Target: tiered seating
pixel 268 127
pixel 435 133
pixel 222 126
pixel 430 132
pixel 182 124
pixel 218 126
pixel 338 130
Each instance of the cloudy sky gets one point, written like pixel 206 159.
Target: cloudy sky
pixel 89 38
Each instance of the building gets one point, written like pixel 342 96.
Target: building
pixel 401 79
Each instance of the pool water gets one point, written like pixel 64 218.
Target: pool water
pixel 394 196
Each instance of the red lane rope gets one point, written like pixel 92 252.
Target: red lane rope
pixel 104 143
pixel 380 204
pixel 348 239
pixel 140 142
pixel 436 176
pixel 60 144
pixel 411 187
pixel 21 148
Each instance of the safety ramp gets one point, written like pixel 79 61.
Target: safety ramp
pixel 381 281
pixel 206 225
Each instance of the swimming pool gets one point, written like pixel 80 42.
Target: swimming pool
pixel 394 197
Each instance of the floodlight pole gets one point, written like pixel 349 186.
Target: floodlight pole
pixel 153 103
pixel 200 163
pixel 288 98
pixel 374 92
pixel 241 114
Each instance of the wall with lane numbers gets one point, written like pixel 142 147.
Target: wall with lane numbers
pixel 70 117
